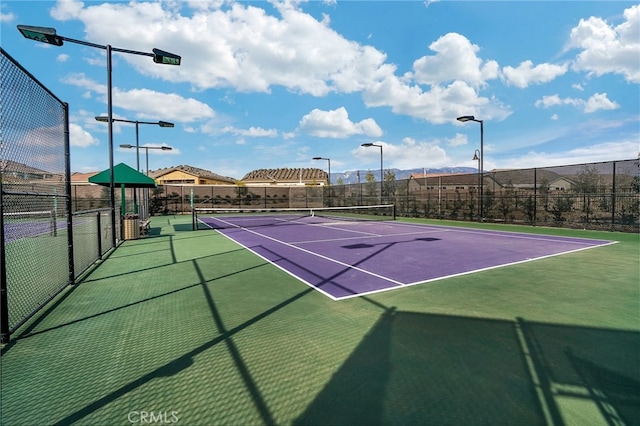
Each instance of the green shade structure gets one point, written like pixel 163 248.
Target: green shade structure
pixel 125 177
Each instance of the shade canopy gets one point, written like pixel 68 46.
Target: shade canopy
pixel 123 175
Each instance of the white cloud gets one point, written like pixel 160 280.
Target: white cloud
pixel 148 103
pixel 598 101
pixel 79 137
pixel 453 76
pixel 456 59
pixel 336 124
pixel 555 100
pixel 458 140
pixel 608 49
pixel 240 46
pixel 608 151
pixel 252 132
pixel 526 74
pixel 7 17
pixel 440 104
pixel 405 155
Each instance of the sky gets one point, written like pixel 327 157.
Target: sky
pixel 272 84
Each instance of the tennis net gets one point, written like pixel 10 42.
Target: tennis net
pixel 218 218
pixel 29 224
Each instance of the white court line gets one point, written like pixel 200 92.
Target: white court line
pixel 369 236
pixel 329 295
pixel 439 229
pixel 319 255
pixel 488 268
pixel 509 234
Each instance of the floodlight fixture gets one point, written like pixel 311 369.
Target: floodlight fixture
pixel 49 35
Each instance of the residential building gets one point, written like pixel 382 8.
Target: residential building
pixel 286 177
pixel 188 175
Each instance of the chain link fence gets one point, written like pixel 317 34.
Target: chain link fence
pixel 38 233
pixel 178 199
pixel 35 244
pixel 591 196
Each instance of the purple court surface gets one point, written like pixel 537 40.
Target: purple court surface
pixel 345 259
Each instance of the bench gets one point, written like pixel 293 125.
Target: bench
pixel 144 226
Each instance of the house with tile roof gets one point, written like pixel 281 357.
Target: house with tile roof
pixel 443 181
pixel 528 179
pixel 12 171
pixel 286 177
pixel 188 175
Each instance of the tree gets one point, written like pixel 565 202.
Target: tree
pixel 506 201
pixel 370 178
pixel 156 204
pixel 587 181
pixel 390 183
pixel 563 203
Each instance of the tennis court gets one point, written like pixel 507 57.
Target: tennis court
pixel 19 225
pixel 190 324
pixel 351 252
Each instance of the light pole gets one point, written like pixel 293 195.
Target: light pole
pixel 476 157
pixel 381 175
pixel 137 123
pixel 49 36
pixel 147 148
pixel 145 202
pixel 329 176
pixel 464 119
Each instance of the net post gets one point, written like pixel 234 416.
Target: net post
pixel 393 209
pixel 193 219
pixel 99 234
pixel 54 224
pixel 4 302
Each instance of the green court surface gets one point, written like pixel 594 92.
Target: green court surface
pixel 186 327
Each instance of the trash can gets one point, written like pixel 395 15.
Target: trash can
pixel 130 227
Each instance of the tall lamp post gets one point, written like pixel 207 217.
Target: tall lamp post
pixel 464 119
pixel 381 175
pixel 137 123
pixel 476 157
pixel 147 148
pixel 49 36
pixel 145 202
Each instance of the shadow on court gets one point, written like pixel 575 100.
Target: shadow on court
pixel 204 328
pixel 415 367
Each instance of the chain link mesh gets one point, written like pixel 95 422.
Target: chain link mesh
pixel 593 195
pixel 33 191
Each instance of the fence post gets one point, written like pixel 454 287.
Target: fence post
pixel 4 302
pixel 99 223
pixel 613 198
pixel 535 195
pixel 67 190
